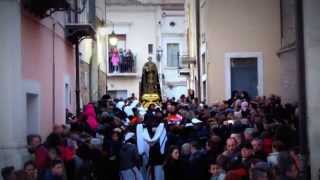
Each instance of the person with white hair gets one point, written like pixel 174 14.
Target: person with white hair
pixel 248 134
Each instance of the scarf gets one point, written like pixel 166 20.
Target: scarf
pixel 144 140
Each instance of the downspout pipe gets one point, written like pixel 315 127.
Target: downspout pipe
pixel 303 138
pixel 198 47
pixel 53 75
pixel 99 95
pixel 78 109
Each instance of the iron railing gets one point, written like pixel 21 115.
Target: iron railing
pixel 86 12
pixel 126 65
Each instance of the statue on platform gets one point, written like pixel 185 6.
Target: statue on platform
pixel 150 92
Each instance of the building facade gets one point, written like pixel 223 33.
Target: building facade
pixel 38 74
pixel 136 31
pixel 311 47
pixel 145 29
pixel 93 64
pixel 173 47
pixel 288 52
pixel 191 44
pixel 37 79
pixel 238 48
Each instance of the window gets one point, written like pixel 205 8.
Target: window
pixel 33 110
pixel 204 63
pixel 172 55
pixel 150 48
pixel 204 84
pixel 172 24
pixel 66 95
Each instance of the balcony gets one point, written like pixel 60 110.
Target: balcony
pixel 184 72
pixel 186 60
pixel 125 67
pixel 81 23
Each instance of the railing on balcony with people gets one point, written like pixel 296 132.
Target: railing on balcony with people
pixel 122 61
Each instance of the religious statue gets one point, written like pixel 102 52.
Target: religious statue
pixel 150 92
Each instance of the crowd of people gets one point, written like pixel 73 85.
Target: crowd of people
pixel 113 139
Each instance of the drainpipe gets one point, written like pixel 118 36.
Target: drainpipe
pixel 303 138
pixel 77 64
pixel 91 89
pixel 53 75
pixel 198 47
pixel 99 95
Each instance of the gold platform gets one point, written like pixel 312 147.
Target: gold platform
pixel 148 99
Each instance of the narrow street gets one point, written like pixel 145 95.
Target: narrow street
pixel 159 89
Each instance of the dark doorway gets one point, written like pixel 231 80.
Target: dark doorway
pixel 244 75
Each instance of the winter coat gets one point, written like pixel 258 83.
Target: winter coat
pixel 128 156
pixel 173 170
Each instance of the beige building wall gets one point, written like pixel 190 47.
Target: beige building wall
pixel 190 15
pixel 242 26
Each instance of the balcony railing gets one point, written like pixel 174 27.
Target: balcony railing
pixel 126 65
pixel 81 21
pixel 86 13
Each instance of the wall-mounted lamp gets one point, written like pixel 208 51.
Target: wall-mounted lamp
pixel 113 39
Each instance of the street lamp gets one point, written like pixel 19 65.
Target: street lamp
pixel 113 39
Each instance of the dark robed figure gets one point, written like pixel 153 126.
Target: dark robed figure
pixel 150 92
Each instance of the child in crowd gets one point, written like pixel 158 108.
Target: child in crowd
pixel 216 171
pixel 55 172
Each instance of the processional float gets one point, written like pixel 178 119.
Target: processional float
pixel 150 92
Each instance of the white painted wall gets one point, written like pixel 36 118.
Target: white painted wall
pixel 173 85
pixel 312 54
pixel 131 84
pixel 85 49
pixel 190 19
pixel 94 53
pixel 12 99
pixel 176 91
pixel 101 52
pixel 139 23
pixel 175 16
